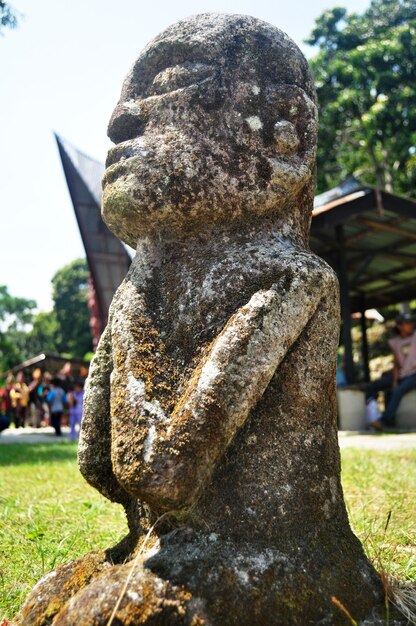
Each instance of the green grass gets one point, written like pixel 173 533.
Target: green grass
pixel 49 515
pixel 380 492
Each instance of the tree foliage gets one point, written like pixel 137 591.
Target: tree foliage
pixel 15 316
pixel 8 16
pixel 45 334
pixel 365 75
pixel 64 330
pixel 70 296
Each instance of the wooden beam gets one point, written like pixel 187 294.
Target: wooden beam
pixel 324 219
pixel 362 235
pixel 387 227
pixel 382 251
pixel 409 258
pixel 391 294
pixel 399 205
pixel 339 201
pixel 369 231
pixel 389 276
pixel 403 286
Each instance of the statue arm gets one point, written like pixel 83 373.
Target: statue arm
pixel 180 451
pixel 94 450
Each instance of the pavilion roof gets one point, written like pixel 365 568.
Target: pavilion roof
pixel 377 230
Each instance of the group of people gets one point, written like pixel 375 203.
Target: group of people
pixel 45 399
pixel 42 401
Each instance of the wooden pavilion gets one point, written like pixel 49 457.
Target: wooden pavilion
pixel 369 237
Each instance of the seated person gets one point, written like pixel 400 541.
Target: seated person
pixel 403 378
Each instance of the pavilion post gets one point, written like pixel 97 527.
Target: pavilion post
pixel 364 342
pixel 345 305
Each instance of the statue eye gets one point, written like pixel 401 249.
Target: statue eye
pixel 180 77
pixel 286 138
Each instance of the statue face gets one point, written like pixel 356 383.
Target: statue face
pixel 213 125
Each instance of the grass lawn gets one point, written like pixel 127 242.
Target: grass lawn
pixel 48 513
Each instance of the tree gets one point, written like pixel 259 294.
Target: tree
pixel 365 80
pixel 15 315
pixel 45 334
pixel 70 295
pixel 63 330
pixel 8 16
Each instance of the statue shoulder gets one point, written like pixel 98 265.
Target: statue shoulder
pixel 307 264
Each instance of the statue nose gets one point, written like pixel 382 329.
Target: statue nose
pixel 127 122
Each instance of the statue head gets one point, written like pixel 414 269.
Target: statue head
pixel 216 126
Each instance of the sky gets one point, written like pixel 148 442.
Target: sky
pixel 62 71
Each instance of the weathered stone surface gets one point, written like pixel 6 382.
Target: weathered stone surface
pixel 211 398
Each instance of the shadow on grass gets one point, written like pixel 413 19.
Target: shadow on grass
pixel 37 453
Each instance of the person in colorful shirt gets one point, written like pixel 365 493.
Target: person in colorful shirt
pixel 57 400
pixel 19 398
pixel 6 403
pixel 75 401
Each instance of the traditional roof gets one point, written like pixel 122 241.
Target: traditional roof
pixel 107 258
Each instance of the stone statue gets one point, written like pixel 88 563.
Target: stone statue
pixel 210 413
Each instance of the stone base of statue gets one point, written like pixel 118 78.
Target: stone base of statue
pixel 193 579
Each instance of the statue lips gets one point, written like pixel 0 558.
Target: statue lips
pixel 120 158
pixel 125 150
